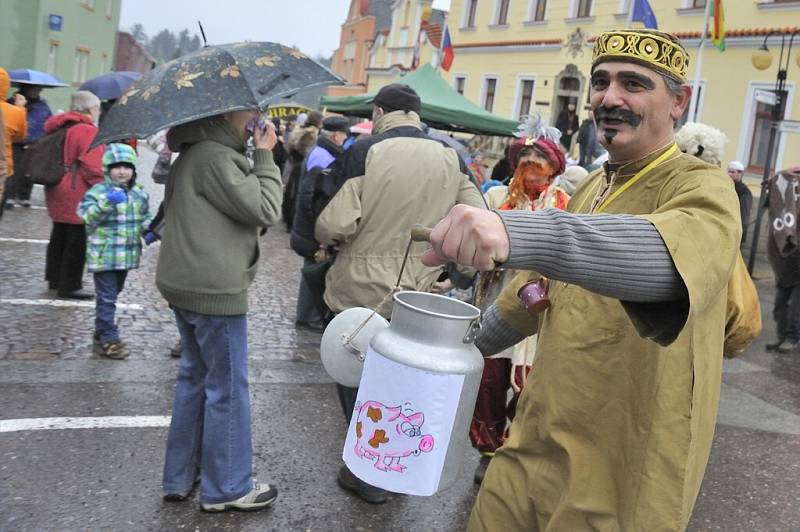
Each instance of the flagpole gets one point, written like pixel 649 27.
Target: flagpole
pixel 630 13
pixel 698 67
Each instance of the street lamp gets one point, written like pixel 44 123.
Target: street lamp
pixel 762 59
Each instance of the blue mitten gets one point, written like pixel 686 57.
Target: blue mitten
pixel 118 196
pixel 150 237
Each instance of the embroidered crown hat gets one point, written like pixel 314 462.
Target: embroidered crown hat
pixel 654 49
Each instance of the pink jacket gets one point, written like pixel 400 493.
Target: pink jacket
pixel 63 198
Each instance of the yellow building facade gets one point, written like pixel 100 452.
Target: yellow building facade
pixel 515 57
pixel 392 53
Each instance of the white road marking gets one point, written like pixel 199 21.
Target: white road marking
pixel 106 422
pixel 741 409
pixel 737 365
pixel 65 303
pixel 25 240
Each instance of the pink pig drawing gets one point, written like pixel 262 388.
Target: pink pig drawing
pixel 385 434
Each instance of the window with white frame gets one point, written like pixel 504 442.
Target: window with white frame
pixel 537 11
pixel 109 8
pixel 524 97
pixel 350 47
pixel 403 37
pixel 470 13
pixel 489 93
pixel 52 57
pixel 459 84
pixel 501 12
pixel 103 64
pixel 581 9
pixel 80 65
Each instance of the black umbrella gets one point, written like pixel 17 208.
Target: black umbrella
pixel 211 81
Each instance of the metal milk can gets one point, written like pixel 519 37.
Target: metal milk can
pixel 408 432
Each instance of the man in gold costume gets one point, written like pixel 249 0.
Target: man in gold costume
pixel 614 428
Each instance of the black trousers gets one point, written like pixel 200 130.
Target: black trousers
pixel 786 312
pixel 66 257
pixel 347 398
pixel 17 187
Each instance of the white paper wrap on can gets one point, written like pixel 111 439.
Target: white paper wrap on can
pixel 400 430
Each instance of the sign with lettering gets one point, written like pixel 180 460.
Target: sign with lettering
pixel 767 97
pixel 283 111
pixel 789 126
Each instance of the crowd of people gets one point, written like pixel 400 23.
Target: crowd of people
pixel 597 413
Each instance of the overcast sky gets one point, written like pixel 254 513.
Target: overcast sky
pixel 311 25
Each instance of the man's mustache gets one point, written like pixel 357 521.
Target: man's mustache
pixel 617 113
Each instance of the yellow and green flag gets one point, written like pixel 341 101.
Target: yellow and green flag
pixel 717 24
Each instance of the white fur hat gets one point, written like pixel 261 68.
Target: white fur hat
pixel 736 165
pixel 703 141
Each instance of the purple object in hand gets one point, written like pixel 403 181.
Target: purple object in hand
pixel 533 295
pixel 258 122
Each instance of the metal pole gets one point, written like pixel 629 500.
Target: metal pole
pixel 630 13
pixel 777 115
pixel 441 43
pixel 698 69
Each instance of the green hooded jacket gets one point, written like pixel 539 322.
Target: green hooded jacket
pixel 215 204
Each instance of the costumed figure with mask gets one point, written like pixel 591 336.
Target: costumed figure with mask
pixel 538 163
pixel 614 428
pixel 784 257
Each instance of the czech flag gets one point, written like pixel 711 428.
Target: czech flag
pixel 447 51
pixel 718 24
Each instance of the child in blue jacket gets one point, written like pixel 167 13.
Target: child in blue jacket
pixel 116 214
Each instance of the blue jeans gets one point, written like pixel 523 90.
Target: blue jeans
pixel 107 286
pixel 210 428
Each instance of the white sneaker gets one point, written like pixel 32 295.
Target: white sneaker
pixel 261 496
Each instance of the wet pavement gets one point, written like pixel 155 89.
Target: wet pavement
pixel 109 478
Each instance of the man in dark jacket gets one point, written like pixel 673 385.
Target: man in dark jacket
pixel 18 189
pixel 215 205
pixel 327 150
pixel 588 146
pixel 736 172
pixel 567 123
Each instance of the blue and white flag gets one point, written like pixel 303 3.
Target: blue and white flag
pixel 642 12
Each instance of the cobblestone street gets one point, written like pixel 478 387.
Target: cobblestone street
pixel 109 478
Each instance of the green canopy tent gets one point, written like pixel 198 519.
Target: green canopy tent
pixel 442 106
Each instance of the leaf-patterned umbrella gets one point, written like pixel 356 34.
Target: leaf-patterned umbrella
pixel 211 81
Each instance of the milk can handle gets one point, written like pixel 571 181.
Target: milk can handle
pixel 472 332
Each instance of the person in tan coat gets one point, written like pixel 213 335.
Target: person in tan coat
pixel 614 428
pixel 395 179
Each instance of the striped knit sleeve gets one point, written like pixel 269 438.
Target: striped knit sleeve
pixel 495 334
pixel 615 255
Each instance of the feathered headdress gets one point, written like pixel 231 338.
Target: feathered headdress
pixel 533 127
pixel 533 132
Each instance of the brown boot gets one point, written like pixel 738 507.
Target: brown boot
pixel 116 350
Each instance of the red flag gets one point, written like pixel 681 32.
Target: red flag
pixel 447 51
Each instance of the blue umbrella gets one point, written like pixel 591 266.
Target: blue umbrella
pixel 112 85
pixel 26 76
